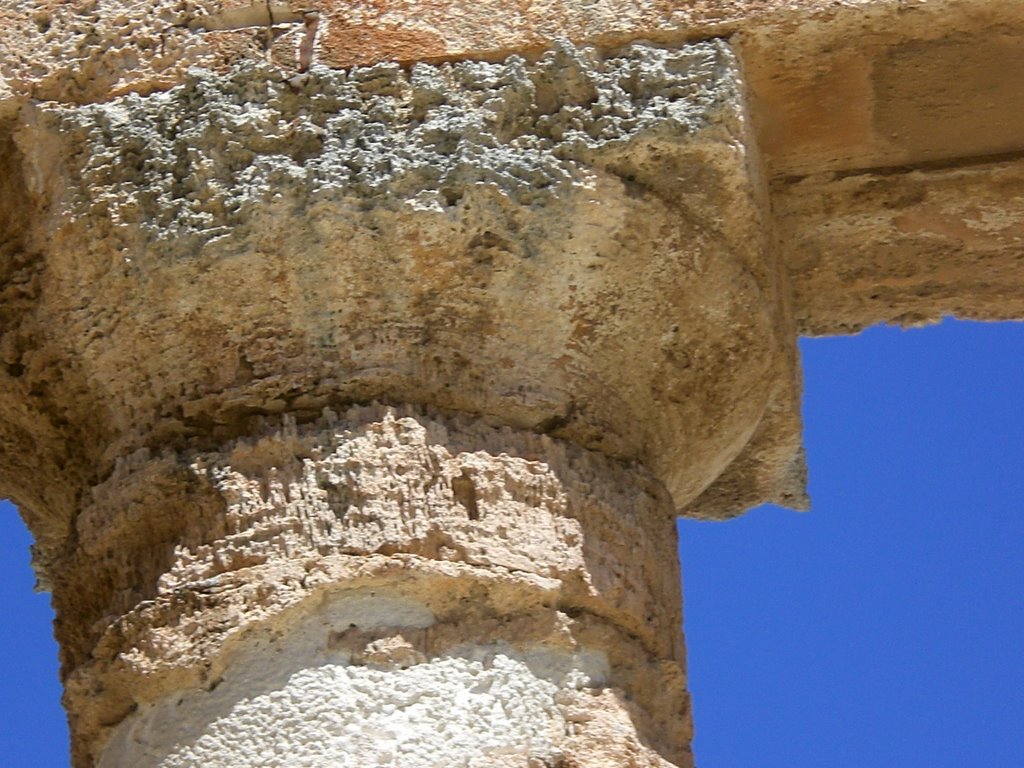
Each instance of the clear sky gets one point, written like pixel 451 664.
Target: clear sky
pixel 884 629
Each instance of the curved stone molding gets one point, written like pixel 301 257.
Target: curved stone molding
pixel 572 245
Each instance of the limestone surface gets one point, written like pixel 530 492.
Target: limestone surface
pixel 448 566
pixel 91 50
pixel 306 700
pixel 905 248
pixel 356 357
pixel 572 245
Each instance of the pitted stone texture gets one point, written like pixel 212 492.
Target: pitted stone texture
pixel 199 161
pixel 573 246
pixel 90 50
pixel 382 482
pixel 473 713
pixel 31 445
pixel 501 536
pixel 906 248
pixel 307 700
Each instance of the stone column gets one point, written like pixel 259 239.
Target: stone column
pixel 386 588
pixel 372 394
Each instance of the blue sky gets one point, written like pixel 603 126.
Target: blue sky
pixel 883 629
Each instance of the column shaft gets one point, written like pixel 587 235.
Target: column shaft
pixel 388 588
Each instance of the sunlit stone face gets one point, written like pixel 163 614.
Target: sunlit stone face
pixel 326 693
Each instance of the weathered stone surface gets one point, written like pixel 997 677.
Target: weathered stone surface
pixel 847 84
pixel 887 85
pixel 837 86
pixel 92 50
pixel 890 135
pixel 904 248
pixel 593 256
pixel 573 246
pixel 362 547
pixel 480 706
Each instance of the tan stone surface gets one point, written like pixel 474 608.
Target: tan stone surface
pixel 598 255
pixel 89 50
pixel 865 84
pixel 504 536
pixel 479 237
pixel 571 246
pixel 887 85
pixel 891 140
pixel 904 248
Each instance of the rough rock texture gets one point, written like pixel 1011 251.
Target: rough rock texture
pixel 836 86
pixel 390 548
pixel 904 248
pixel 585 237
pixel 90 50
pixel 572 246
pixel 480 706
pixel 891 136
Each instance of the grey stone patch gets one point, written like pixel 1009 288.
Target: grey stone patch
pixel 194 162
